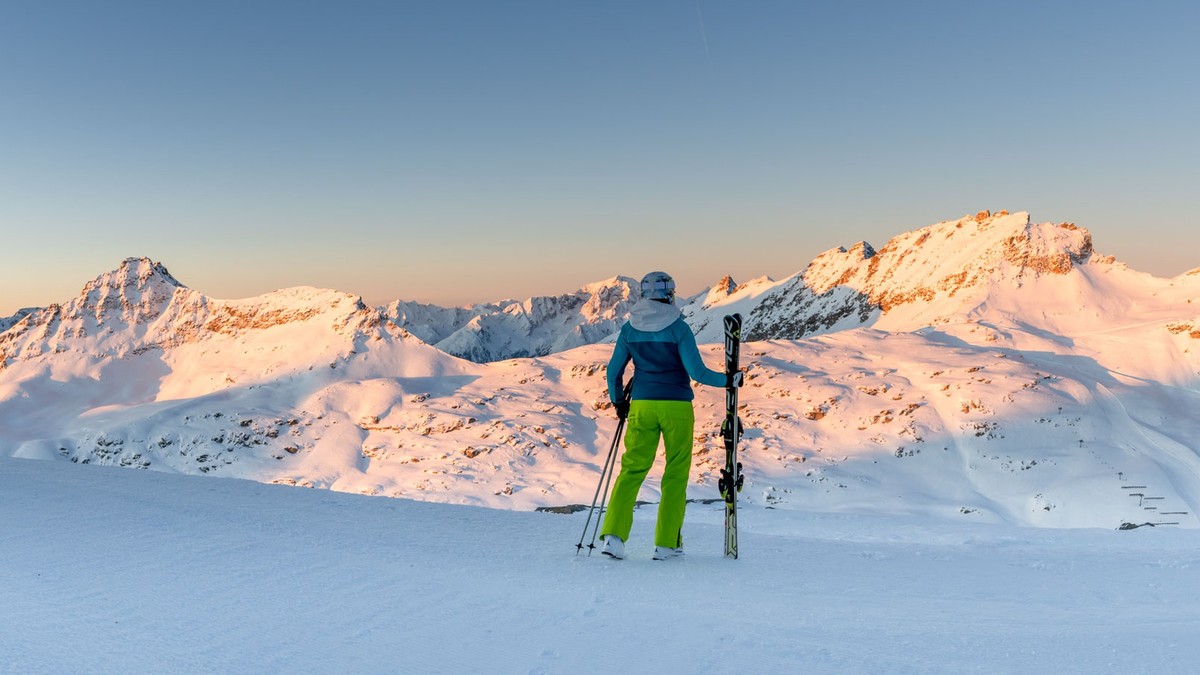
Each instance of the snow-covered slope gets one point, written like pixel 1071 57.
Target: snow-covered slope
pixel 110 571
pixel 985 369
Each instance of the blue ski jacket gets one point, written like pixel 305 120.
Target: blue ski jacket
pixel 664 354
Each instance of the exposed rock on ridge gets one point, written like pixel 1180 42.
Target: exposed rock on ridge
pixel 917 278
pixel 929 273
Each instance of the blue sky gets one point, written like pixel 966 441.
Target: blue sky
pixel 471 151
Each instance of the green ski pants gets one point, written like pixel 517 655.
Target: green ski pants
pixel 674 421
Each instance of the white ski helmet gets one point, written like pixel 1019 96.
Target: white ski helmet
pixel 658 286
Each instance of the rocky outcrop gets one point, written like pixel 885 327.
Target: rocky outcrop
pixel 916 278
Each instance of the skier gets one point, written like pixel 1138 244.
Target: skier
pixel 665 360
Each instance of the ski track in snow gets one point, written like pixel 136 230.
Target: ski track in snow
pixel 108 570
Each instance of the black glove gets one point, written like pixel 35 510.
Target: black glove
pixel 733 379
pixel 622 409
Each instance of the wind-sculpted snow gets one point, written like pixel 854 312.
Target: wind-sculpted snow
pixel 984 369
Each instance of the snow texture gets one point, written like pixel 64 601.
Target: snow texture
pixel 107 570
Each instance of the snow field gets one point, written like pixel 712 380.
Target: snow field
pixel 105 570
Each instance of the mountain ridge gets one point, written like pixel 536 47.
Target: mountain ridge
pixel 507 329
pixel 1039 372
pixel 840 288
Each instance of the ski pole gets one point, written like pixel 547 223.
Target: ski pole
pixel 604 495
pixel 605 474
pixel 605 480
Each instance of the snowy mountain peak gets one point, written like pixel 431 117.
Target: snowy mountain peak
pixel 618 283
pixel 112 314
pixel 133 273
pixel 138 290
pixel 140 307
pixel 723 289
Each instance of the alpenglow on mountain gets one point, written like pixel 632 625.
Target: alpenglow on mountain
pixel 986 368
pixel 917 278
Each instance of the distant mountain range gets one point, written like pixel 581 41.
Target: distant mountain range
pixel 986 367
pixel 518 329
pixel 919 278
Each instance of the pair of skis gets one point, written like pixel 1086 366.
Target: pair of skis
pixel 730 482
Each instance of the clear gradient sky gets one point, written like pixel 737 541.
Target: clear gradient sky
pixel 457 151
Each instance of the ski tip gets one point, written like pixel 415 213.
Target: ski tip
pixel 733 328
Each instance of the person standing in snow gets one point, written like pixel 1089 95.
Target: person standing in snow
pixel 665 361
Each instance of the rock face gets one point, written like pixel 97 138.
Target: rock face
pixel 918 278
